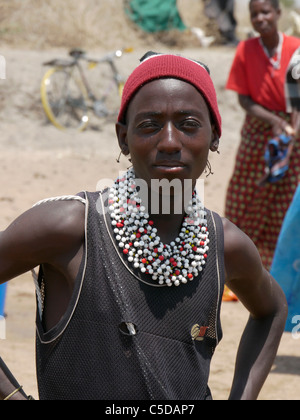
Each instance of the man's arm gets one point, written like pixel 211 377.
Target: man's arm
pixel 49 234
pixel 267 305
pixel 9 387
pixel 41 235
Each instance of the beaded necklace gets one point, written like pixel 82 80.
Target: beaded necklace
pixel 168 264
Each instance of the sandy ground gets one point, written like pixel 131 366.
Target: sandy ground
pixel 38 161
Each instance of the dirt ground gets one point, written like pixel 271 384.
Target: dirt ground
pixel 38 161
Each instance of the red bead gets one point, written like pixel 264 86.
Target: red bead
pixel 177 272
pixel 151 223
pixel 161 257
pixel 201 243
pixel 195 248
pixel 144 261
pixel 190 276
pixel 205 255
pixel 120 225
pixel 125 251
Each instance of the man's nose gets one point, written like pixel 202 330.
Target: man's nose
pixel 169 141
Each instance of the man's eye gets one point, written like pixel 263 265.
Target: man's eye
pixel 148 125
pixel 190 124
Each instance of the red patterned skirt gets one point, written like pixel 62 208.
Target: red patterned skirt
pixel 259 211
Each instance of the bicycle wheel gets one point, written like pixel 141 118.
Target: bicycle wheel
pixel 64 99
pixel 121 88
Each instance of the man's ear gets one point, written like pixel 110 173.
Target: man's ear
pixel 121 130
pixel 215 140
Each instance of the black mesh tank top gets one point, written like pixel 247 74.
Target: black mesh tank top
pixel 124 339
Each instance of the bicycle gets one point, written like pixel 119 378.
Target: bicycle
pixel 67 96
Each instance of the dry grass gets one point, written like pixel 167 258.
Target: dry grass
pixel 65 23
pixel 42 24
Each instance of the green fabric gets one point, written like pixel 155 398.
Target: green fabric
pixel 155 15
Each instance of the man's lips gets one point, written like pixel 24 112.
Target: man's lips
pixel 169 164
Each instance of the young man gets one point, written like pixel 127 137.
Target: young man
pixel 132 293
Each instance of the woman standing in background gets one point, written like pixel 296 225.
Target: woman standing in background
pixel 258 75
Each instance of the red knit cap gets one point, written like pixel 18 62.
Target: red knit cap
pixel 172 66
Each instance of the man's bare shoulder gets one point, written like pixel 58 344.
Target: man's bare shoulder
pixel 52 222
pixel 62 218
pixel 47 233
pixel 232 235
pixel 241 255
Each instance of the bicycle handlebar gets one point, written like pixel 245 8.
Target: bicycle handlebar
pixel 78 54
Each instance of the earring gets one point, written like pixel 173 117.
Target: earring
pixel 208 169
pixel 119 158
